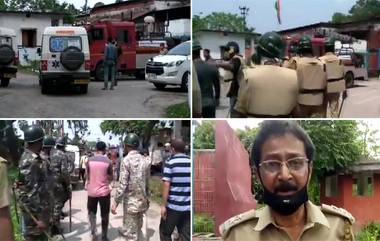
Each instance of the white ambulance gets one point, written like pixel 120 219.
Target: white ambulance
pixel 65 58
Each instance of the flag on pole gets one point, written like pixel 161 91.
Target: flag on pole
pixel 277 6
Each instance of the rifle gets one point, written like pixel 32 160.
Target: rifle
pixel 15 203
pixel 344 96
pixel 36 221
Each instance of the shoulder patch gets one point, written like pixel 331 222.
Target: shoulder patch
pixel 225 227
pixel 331 209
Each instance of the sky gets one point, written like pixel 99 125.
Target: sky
pixel 263 17
pixel 80 3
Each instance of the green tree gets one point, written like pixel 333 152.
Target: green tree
pixel 362 10
pixel 220 21
pixel 141 128
pixel 79 128
pixel 204 136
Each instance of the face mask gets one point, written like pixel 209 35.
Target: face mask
pixel 286 205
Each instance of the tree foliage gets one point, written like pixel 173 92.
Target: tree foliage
pixel 204 136
pixel 79 128
pixel 362 10
pixel 221 21
pixel 142 128
pixel 55 6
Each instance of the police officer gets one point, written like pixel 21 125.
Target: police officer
pixel 62 190
pixel 335 78
pixel 268 90
pixel 208 78
pixel 47 145
pixel 312 80
pixel 134 175
pixel 6 229
pixel 283 155
pixel 33 186
pixel 235 64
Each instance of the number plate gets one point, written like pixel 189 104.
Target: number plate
pixel 9 75
pixel 152 76
pixel 81 81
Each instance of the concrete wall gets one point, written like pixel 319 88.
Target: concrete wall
pixel 365 209
pixel 213 41
pixel 204 181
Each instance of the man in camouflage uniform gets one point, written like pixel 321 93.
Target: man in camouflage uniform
pixel 134 177
pixel 282 156
pixel 33 186
pixel 62 190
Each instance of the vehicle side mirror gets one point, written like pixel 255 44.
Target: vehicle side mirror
pixel 39 51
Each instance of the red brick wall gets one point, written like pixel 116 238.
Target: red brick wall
pixel 204 181
pixel 364 209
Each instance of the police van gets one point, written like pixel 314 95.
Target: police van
pixel 8 56
pixel 65 58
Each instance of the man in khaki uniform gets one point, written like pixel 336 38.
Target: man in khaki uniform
pixel 282 156
pixel 268 90
pixel 6 232
pixel 311 80
pixel 335 78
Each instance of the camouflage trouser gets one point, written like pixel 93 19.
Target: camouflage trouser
pixel 60 197
pixel 29 230
pixel 132 224
pixel 333 102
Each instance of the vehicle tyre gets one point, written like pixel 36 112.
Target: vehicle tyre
pixel 72 58
pixel 4 82
pixel 45 88
pixel 140 75
pixel 83 89
pixel 350 79
pixel 7 54
pixel 185 81
pixel 99 72
pixel 160 86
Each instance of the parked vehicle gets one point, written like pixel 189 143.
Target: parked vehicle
pixel 65 58
pixel 170 69
pixel 8 56
pixel 353 65
pixel 134 50
pixel 74 155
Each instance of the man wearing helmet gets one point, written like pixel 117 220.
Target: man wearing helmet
pixel 335 78
pixel 134 177
pixel 62 190
pixel 33 186
pixel 268 89
pixel 208 79
pixel 235 64
pixel 312 80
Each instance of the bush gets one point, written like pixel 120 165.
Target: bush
pixel 178 111
pixel 370 233
pixel 203 224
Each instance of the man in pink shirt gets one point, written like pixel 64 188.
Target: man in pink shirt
pixel 99 177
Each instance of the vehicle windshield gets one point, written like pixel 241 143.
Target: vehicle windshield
pixel 58 44
pixel 5 40
pixel 182 49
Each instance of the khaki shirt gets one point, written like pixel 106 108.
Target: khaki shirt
pixel 268 90
pixel 4 189
pixel 326 223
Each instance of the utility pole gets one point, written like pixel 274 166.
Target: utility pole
pixel 244 12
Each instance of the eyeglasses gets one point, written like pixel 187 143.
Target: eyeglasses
pixel 294 165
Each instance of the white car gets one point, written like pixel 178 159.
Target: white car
pixel 170 69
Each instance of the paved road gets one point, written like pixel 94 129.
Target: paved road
pixel 131 99
pixel 81 228
pixel 363 100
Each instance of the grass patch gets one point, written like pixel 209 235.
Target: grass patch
pixel 203 223
pixel 370 233
pixel 30 69
pixel 181 110
pixel 155 187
